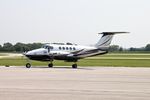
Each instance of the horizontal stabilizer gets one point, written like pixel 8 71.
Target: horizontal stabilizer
pixel 112 33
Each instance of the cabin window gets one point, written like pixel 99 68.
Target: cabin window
pixel 66 48
pixel 59 48
pixel 63 48
pixel 74 48
pixel 70 48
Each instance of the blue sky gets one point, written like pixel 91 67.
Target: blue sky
pixel 76 21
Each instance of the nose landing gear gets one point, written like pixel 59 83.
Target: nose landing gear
pixel 28 65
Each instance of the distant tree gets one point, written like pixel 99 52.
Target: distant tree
pixel 34 45
pixel 20 47
pixel 1 48
pixel 132 49
pixel 114 48
pixel 120 49
pixel 147 48
pixel 8 47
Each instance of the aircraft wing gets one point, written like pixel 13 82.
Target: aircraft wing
pixel 76 52
pixel 85 53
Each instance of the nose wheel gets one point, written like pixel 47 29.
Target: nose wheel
pixel 28 65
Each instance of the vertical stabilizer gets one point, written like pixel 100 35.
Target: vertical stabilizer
pixel 106 39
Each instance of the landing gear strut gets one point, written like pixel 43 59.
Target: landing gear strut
pixel 74 66
pixel 28 65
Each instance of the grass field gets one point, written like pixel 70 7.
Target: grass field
pixel 110 59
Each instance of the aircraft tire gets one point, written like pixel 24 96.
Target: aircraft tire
pixel 50 65
pixel 74 66
pixel 28 65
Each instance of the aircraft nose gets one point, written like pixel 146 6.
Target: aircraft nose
pixel 36 52
pixel 28 53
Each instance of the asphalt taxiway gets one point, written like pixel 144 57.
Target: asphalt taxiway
pixel 65 83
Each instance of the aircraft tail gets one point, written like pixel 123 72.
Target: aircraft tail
pixel 106 39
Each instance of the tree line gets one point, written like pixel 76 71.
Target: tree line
pixel 19 47
pixel 114 48
pixel 22 47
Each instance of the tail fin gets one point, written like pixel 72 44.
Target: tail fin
pixel 106 39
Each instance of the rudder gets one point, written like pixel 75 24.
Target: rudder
pixel 106 39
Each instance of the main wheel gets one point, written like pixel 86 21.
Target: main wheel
pixel 50 65
pixel 28 65
pixel 74 66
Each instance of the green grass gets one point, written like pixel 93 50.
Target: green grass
pixel 112 59
pixel 116 62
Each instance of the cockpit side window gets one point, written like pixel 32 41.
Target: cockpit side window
pixel 63 48
pixel 66 48
pixel 70 48
pixel 46 47
pixel 59 48
pixel 49 48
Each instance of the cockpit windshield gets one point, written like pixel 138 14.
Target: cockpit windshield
pixel 48 47
pixel 45 46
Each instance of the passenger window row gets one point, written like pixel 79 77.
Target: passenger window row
pixel 67 48
pixel 60 48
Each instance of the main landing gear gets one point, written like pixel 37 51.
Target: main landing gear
pixel 50 65
pixel 74 66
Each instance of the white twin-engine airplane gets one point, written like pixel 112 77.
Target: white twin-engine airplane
pixel 70 52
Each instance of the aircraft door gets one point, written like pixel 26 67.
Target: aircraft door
pixel 48 49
